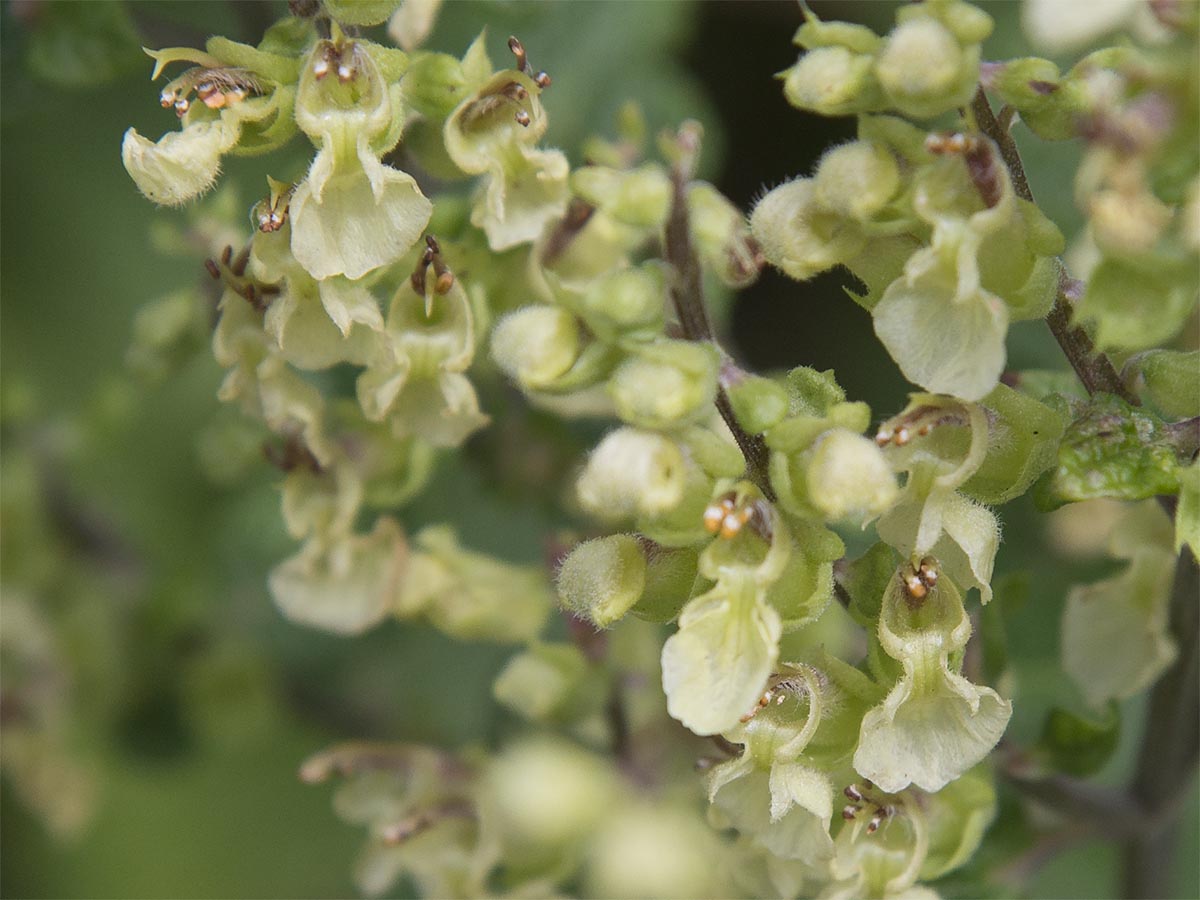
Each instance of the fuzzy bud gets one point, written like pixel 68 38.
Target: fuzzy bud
pixel 849 478
pixel 856 180
pixel 632 473
pixel 625 301
pixel 924 71
pixel 832 81
pixel 798 236
pixel 666 384
pixel 602 579
pixel 758 403
pixel 536 344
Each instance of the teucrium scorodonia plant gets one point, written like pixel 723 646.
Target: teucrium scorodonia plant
pixel 719 496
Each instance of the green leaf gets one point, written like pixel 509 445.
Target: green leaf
pixel 1112 450
pixel 1077 744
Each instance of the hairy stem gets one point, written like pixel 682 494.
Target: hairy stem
pixel 687 294
pixel 1094 369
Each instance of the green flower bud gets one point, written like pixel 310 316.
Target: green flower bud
pixel 969 24
pixel 1170 379
pixel 721 236
pixel 546 793
pixel 1023 439
pixel 632 473
pixel 670 578
pixel 544 683
pixel 345 587
pixel 1050 105
pixel 434 84
pixel 601 580
pixel 666 384
pixel 649 849
pixel 536 344
pixel 758 403
pixel 639 197
pixel 798 236
pixel 627 302
pixel 856 180
pixel 848 477
pixel 832 81
pixel 924 71
pixel 1137 304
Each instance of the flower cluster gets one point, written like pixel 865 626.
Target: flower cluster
pixel 359 339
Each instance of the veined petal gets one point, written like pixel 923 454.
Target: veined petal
pixel 346 587
pixel 946 342
pixel 715 666
pixel 1114 632
pixel 353 227
pixel 929 738
pixel 520 200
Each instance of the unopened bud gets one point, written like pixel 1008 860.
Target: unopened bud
pixel 536 344
pixel 602 579
pixel 666 384
pixel 633 473
pixel 832 81
pixel 856 180
pixel 798 236
pixel 849 478
pixel 924 71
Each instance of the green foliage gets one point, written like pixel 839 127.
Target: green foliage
pixel 1113 450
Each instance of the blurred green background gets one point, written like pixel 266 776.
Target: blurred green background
pixel 182 701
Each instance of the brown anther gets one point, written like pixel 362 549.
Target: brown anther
pixel 883 438
pixel 852 792
pixel 849 813
pixel 432 246
pixel 345 73
pixel 924 430
pixel 321 68
pixel 873 825
pixel 182 105
pixel 901 436
pixel 210 266
pixel 444 282
pixel 227 255
pixel 518 50
pixel 928 571
pixel 522 118
pixel 542 80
